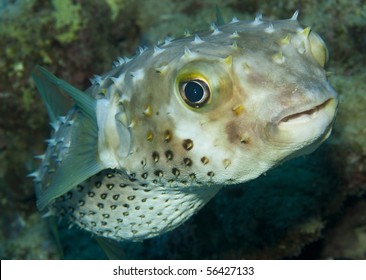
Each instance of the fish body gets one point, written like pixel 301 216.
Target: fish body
pixel 156 137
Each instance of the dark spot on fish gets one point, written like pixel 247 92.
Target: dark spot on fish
pixel 134 231
pixel 192 176
pixel 211 174
pixel 69 195
pixel 110 186
pixel 119 221
pixel 187 162
pixel 103 196
pixel 131 197
pixel 81 202
pixel 93 224
pixel 142 216
pixel 125 214
pixel 155 181
pixel 159 214
pixel 91 194
pixel 155 156
pixel 137 208
pixel 151 208
pixel 188 144
pixel 144 175
pixel 121 185
pixel 159 173
pixel 144 199
pixel 204 160
pixel 167 136
pixel 104 223
pixel 110 175
pixel 113 207
pixel 100 205
pixel 98 184
pixel 91 212
pixel 147 190
pixel 106 216
pixel 116 196
pixel 169 154
pixel 132 177
pixel 126 205
pixel 176 172
pixel 79 188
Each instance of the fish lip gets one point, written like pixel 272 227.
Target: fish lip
pixel 304 115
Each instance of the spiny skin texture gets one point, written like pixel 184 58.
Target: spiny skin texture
pixel 179 121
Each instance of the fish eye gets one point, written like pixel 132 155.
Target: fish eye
pixel 195 93
pixel 318 49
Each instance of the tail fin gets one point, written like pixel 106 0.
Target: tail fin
pixel 81 160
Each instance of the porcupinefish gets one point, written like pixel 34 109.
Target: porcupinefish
pixel 154 139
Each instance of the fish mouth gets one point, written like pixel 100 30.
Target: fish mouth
pixel 325 110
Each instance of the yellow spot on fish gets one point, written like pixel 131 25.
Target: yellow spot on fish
pixel 150 136
pixel 148 111
pixel 246 67
pixel 132 124
pixel 306 31
pixel 162 69
pixel 226 162
pixel 229 60
pixel 234 45
pixel 238 109
pixel 286 40
pixel 278 58
pixel 244 138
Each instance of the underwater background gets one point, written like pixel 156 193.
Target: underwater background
pixel 312 207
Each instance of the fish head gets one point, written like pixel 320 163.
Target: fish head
pixel 226 107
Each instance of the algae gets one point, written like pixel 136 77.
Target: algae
pixel 68 18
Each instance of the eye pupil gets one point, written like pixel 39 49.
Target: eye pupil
pixel 193 91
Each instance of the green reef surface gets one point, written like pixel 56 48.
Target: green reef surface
pixel 313 207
